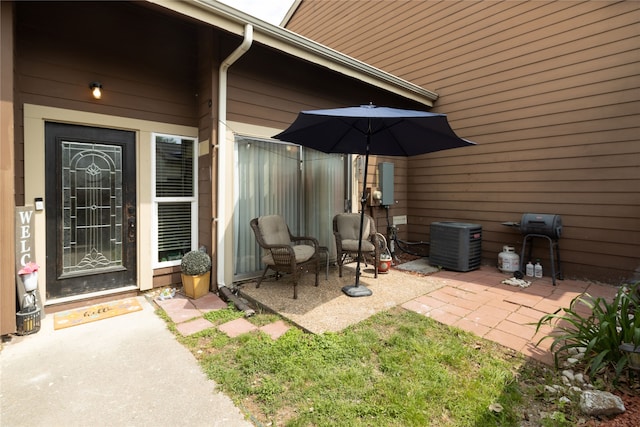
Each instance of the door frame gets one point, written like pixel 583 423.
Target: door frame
pixel 122 274
pixel 35 117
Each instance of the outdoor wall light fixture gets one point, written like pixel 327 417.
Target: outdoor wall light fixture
pixel 96 89
pixel 633 354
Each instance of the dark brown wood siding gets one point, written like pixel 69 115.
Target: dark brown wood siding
pixel 274 96
pixel 148 63
pixel 206 175
pixel 270 90
pixel 7 186
pixel 148 71
pixel 160 67
pixel 550 91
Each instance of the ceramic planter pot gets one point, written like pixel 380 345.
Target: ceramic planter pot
pixel 196 286
pixel 30 281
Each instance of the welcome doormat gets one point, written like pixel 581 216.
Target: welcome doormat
pixel 79 316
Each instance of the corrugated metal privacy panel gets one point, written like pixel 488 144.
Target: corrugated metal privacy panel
pixel 456 245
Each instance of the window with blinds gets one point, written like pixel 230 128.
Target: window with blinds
pixel 175 197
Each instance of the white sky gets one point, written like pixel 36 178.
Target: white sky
pixel 271 11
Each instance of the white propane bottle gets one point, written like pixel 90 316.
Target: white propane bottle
pixel 529 269
pixel 508 260
pixel 538 269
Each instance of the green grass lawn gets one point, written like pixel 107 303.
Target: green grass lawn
pixel 397 368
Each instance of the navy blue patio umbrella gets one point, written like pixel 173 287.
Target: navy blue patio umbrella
pixel 369 129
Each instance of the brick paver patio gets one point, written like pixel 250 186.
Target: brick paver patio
pixel 478 302
pixel 474 301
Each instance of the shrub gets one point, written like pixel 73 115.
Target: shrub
pixel 195 263
pixel 599 327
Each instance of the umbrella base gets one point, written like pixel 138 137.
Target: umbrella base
pixel 357 291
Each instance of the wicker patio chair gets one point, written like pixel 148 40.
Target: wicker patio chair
pixel 345 229
pixel 283 252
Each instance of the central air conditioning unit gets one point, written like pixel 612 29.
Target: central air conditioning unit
pixel 455 245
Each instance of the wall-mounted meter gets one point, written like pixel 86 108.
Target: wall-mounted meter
pixel 374 196
pixel 385 174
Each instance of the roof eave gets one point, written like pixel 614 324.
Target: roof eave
pixel 233 21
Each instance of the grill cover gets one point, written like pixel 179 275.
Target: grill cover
pixel 546 224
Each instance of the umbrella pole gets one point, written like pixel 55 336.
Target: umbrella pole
pixel 357 290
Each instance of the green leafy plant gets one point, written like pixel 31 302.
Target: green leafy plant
pixel 597 326
pixel 195 263
pixel 218 317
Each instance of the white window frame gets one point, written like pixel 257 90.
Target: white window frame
pixel 156 263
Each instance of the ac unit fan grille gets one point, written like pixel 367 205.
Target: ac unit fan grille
pixel 456 246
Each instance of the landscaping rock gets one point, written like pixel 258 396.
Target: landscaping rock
pixel 550 390
pixel 572 361
pixel 568 374
pixel 596 403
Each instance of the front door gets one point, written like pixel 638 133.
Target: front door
pixel 90 202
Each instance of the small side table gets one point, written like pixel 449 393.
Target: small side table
pixel 324 251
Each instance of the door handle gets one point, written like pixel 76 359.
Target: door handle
pixel 132 228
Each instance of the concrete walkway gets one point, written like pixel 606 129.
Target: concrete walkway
pixel 128 370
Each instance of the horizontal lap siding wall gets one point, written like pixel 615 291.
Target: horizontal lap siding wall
pixel 7 188
pixel 148 70
pixel 147 75
pixel 274 96
pixel 401 192
pixel 550 91
pixel 270 90
pixel 146 61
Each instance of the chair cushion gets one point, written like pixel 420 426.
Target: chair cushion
pixel 274 230
pixel 349 225
pixel 302 253
pixel 352 245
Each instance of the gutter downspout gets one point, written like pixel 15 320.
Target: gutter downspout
pixel 222 220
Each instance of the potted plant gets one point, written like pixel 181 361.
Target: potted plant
pixel 196 273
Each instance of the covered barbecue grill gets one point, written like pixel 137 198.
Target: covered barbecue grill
pixel 542 226
pixel 546 224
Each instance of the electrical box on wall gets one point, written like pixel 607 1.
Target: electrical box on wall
pixel 385 177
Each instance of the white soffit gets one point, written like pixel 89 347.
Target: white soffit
pixel 232 20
